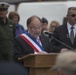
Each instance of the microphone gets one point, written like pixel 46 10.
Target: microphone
pixel 48 33
pixel 62 43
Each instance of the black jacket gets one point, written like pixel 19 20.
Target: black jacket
pixel 22 48
pixel 61 33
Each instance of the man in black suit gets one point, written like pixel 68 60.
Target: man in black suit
pixel 63 33
pixel 27 43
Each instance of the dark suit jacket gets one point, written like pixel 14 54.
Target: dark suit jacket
pixel 22 48
pixel 61 33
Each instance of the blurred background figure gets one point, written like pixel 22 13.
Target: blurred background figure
pixel 44 24
pixel 16 18
pixel 11 68
pixel 53 25
pixel 66 63
pixel 7 33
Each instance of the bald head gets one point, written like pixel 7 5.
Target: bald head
pixel 30 19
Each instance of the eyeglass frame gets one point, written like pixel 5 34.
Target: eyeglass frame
pixel 35 28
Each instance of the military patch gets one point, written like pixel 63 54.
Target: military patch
pixel 10 25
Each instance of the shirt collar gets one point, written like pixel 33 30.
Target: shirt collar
pixel 69 26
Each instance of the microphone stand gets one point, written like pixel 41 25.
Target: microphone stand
pixel 52 37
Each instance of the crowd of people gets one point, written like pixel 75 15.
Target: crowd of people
pixel 16 42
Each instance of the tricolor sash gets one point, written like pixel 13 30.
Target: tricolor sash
pixel 32 42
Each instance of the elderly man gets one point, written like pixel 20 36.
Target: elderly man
pixel 66 63
pixel 31 41
pixel 7 33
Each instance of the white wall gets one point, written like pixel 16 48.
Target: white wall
pixel 11 8
pixel 49 10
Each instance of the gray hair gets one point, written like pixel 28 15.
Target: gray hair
pixel 67 62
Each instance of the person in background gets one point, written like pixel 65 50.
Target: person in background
pixel 53 25
pixel 31 41
pixel 11 68
pixel 65 63
pixel 44 25
pixel 65 33
pixel 16 18
pixel 7 33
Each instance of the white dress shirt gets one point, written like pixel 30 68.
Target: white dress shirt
pixel 69 29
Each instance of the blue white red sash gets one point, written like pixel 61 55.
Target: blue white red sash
pixel 32 42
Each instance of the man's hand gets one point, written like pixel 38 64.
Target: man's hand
pixel 64 50
pixel 42 52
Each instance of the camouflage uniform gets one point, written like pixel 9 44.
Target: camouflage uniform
pixel 7 32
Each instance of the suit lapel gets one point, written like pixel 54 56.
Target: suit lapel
pixel 43 41
pixel 67 34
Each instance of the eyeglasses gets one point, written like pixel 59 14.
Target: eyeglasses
pixel 35 28
pixel 73 15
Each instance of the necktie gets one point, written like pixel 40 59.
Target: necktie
pixel 39 41
pixel 72 35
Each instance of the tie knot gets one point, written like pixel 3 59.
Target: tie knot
pixel 72 27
